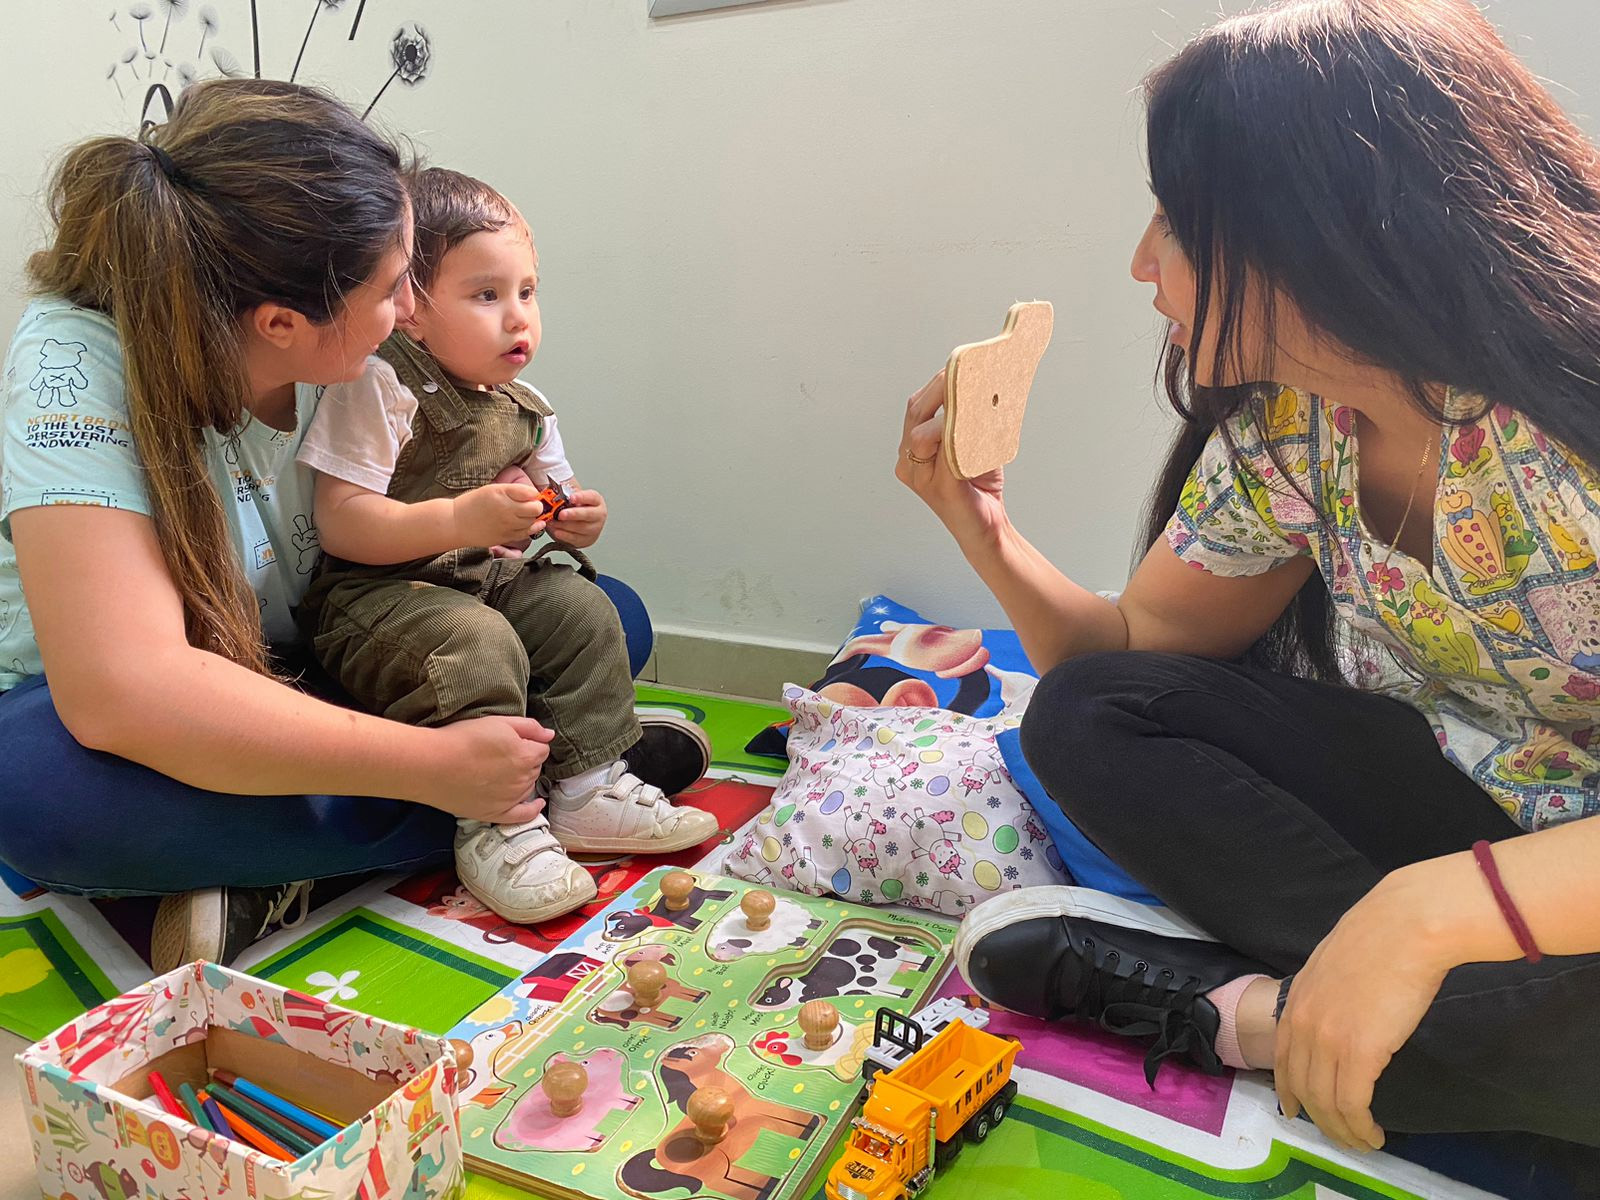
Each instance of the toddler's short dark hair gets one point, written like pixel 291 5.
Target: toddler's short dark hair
pixel 448 208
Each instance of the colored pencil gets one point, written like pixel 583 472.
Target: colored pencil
pixel 192 1103
pixel 246 1132
pixel 257 1112
pixel 214 1114
pixel 284 1108
pixel 261 1119
pixel 163 1093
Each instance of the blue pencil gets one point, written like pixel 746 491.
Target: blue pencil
pixel 277 1104
pixel 214 1115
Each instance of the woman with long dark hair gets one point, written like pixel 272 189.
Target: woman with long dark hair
pixel 1374 206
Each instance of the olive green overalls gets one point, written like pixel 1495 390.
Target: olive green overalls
pixel 466 634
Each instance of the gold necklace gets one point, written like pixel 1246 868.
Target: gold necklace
pixel 1410 500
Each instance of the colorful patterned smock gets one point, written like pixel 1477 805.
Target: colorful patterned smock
pixel 1500 639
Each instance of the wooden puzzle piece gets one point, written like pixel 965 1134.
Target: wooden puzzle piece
pixel 625 1005
pixel 857 962
pixel 820 1022
pixel 789 926
pixel 842 1057
pixel 534 1124
pixel 757 906
pixel 683 1158
pixel 986 391
pixel 620 926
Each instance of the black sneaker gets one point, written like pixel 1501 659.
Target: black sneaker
pixel 673 754
pixel 219 924
pixel 1062 952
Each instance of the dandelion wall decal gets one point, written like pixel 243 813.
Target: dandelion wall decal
pixel 208 26
pixel 226 63
pixel 175 8
pixel 410 52
pixel 141 13
pixel 316 7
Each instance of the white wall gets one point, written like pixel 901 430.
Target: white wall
pixel 760 230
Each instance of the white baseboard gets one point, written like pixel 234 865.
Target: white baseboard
pixel 753 669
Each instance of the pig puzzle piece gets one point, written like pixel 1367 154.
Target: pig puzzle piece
pixel 986 391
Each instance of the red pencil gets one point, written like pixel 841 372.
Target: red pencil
pixel 165 1096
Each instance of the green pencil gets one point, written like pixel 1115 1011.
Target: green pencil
pixel 192 1103
pixel 261 1118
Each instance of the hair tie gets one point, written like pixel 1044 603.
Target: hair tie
pixel 169 168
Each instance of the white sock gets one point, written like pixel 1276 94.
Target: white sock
pixel 579 785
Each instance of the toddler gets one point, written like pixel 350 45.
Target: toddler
pixel 424 609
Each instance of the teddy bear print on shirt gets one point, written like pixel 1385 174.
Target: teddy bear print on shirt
pixel 59 378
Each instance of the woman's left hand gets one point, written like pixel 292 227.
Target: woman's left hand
pixel 1358 999
pixel 579 524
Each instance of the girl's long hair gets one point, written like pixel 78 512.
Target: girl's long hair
pixel 254 191
pixel 1394 172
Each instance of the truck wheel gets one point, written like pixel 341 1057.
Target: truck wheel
pixel 979 1129
pixel 997 1110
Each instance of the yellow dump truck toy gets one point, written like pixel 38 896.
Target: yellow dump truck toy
pixel 956 1085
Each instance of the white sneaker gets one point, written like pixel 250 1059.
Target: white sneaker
pixel 625 815
pixel 520 871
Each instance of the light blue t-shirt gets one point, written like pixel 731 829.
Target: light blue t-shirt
pixel 65 439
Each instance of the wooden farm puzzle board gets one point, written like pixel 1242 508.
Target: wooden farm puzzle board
pixel 726 1019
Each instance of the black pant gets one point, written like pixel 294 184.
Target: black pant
pixel 1262 807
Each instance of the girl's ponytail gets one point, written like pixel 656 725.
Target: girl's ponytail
pixel 255 191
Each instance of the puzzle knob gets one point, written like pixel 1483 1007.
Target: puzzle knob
pixel 711 1110
pixel 820 1022
pixel 463 1052
pixel 645 981
pixel 675 889
pixel 564 1083
pixel 757 907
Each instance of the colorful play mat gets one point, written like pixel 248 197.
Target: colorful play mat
pixel 419 950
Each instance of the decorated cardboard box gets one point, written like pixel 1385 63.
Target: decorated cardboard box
pixel 99 1133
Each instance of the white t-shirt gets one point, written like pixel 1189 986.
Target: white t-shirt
pixel 362 426
pixel 65 439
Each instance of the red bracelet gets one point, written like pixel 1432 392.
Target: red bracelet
pixel 1519 928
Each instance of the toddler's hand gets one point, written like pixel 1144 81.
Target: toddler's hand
pixel 497 514
pixel 579 524
pixel 514 548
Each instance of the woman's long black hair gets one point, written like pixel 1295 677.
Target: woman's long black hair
pixel 1394 172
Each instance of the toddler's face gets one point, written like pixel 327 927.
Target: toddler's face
pixel 480 319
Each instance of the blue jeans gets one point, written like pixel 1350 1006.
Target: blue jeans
pixel 82 821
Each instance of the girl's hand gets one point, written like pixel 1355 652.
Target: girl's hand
pixel 579 524
pixel 1358 999
pixel 486 768
pixel 973 510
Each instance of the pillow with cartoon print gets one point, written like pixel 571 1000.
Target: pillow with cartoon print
pixel 896 805
pixel 896 657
